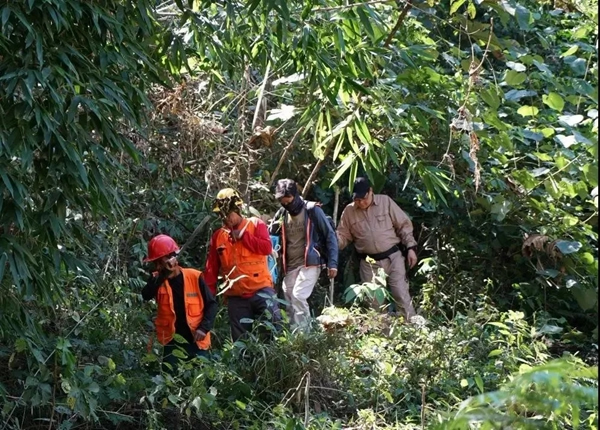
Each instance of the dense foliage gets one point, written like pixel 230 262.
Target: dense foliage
pixel 120 119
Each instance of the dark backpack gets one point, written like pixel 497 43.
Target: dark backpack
pixel 322 240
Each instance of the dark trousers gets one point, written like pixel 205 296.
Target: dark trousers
pixel 187 352
pixel 243 311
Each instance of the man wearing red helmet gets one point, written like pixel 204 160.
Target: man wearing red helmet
pixel 186 306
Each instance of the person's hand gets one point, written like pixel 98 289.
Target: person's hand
pixel 237 234
pixel 332 273
pixel 199 335
pixel 411 257
pixel 156 279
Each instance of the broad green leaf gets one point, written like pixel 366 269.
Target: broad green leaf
pixel 528 111
pixel 491 98
pixel 514 78
pixel 554 101
pixel 570 120
pixel 567 247
pixel 566 141
pixel 586 297
pixel 524 17
pixel 500 210
pixel 516 95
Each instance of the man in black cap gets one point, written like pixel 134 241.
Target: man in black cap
pixel 382 231
pixel 308 244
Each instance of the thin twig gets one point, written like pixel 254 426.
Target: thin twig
pixel 476 69
pixel 317 167
pixel 306 401
pixel 261 93
pixel 294 391
pixel 423 407
pixel 403 14
pixel 350 6
pixel 286 151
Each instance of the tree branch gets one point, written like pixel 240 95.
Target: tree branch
pixel 317 167
pixel 403 14
pixel 286 151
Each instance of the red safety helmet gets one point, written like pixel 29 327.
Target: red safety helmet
pixel 161 246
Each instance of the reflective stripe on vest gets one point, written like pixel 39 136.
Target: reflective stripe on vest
pixel 194 308
pixel 247 270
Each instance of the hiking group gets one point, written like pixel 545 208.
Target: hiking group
pixel 237 265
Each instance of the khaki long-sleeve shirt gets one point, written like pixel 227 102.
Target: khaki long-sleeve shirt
pixel 375 229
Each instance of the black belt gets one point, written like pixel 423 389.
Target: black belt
pixel 381 255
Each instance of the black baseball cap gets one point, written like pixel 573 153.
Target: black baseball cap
pixel 285 187
pixel 361 188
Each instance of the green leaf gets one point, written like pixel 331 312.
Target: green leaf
pixel 366 23
pixel 346 163
pixel 479 383
pixel 554 101
pixel 514 78
pixel 362 131
pixel 573 49
pixel 528 111
pixel 471 11
pixel 455 5
pixel 501 209
pixel 491 98
pixel 524 17
pixel 567 247
pixel 586 297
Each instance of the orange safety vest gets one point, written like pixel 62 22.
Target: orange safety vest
pixel 249 270
pixel 194 308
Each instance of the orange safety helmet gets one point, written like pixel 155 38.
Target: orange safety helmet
pixel 161 246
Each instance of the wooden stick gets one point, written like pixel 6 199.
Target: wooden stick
pixel 286 151
pixel 336 202
pixel 195 233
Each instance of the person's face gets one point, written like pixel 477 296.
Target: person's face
pixel 366 201
pixel 232 219
pixel 168 262
pixel 286 200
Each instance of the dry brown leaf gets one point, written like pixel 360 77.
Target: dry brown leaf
pixel 534 242
pixel 262 137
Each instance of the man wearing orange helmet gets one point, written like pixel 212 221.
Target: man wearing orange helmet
pixel 186 306
pixel 238 255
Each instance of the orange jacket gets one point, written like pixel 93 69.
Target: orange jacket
pixel 194 306
pixel 249 270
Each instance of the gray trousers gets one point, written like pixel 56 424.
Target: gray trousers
pixel 397 282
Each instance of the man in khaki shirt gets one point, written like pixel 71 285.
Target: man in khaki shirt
pixel 380 230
